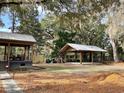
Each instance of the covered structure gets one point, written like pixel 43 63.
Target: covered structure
pixel 77 52
pixel 16 50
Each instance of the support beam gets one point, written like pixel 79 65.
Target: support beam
pixel 81 57
pixel 32 54
pixel 76 56
pixel 65 59
pixel 101 57
pixel 89 54
pixel 25 53
pixel 8 55
pixel 92 57
pixel 28 52
pixel 5 56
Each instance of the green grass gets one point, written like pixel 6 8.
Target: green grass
pixel 80 68
pixel 59 68
pixel 69 68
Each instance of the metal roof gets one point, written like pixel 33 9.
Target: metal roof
pixel 79 47
pixel 16 37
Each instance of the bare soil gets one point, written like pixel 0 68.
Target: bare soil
pixel 1 87
pixel 52 82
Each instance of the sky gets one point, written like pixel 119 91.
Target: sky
pixel 6 19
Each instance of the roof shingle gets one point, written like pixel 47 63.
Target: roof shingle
pixel 79 47
pixel 16 37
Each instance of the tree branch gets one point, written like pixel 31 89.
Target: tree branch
pixel 5 3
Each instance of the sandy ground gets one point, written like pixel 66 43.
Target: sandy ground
pixel 1 87
pixel 73 80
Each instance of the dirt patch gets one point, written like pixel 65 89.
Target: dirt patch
pixel 113 78
pixel 118 64
pixel 44 82
pixel 1 87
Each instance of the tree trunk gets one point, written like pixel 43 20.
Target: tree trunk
pixel 13 22
pixel 115 55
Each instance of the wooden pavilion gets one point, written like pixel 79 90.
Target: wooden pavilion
pixel 78 52
pixel 16 50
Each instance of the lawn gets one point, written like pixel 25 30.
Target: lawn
pixel 70 78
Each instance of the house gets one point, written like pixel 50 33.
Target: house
pixel 16 50
pixel 77 52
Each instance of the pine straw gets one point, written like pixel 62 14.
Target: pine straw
pixel 113 78
pixel 118 63
pixel 1 87
pixel 70 83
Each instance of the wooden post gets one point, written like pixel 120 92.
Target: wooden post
pixel 65 59
pixel 5 56
pixel 81 57
pixel 101 57
pixel 25 53
pixel 76 56
pixel 8 55
pixel 89 57
pixel 28 52
pixel 32 54
pixel 92 57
